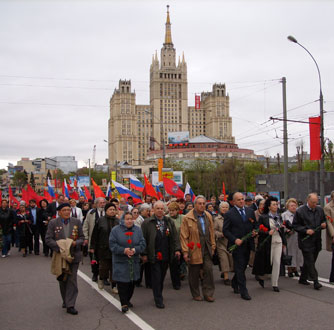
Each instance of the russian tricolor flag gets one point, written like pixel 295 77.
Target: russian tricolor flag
pixel 50 189
pixel 108 193
pixel 125 192
pixel 135 184
pixel 81 193
pixel 190 192
pixel 65 190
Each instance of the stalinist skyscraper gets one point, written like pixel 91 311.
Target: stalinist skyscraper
pixel 132 127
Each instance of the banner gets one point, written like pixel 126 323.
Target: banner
pixel 315 145
pixel 197 102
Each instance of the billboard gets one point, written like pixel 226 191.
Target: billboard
pixel 82 181
pixel 178 137
pixel 177 177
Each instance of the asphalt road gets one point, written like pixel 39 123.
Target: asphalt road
pixel 30 299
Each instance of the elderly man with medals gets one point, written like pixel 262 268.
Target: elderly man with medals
pixel 65 237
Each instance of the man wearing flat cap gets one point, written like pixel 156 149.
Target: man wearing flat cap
pixel 61 229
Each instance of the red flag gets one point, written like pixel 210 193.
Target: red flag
pixel 74 195
pixel 32 194
pixel 224 191
pixel 25 196
pixel 315 146
pixel 149 189
pixel 197 102
pixel 12 199
pixel 0 196
pixel 97 190
pixel 47 196
pixel 87 193
pixel 172 188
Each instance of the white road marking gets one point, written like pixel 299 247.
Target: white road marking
pixel 131 315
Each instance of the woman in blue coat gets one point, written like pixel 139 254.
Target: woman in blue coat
pixel 126 243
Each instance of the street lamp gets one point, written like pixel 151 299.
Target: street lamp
pixel 115 160
pixel 321 99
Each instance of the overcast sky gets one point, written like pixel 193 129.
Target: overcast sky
pixel 60 62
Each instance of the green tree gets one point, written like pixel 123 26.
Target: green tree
pixel 19 179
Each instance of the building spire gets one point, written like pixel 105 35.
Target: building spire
pixel 168 34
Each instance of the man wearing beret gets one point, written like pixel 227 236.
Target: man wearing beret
pixel 62 228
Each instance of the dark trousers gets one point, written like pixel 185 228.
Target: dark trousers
pixel 105 269
pixel 94 267
pixel 331 276
pixel 175 272
pixel 147 273
pixel 69 288
pixel 240 261
pixel 208 285
pixel 125 292
pixel 158 273
pixel 35 234
pixel 46 248
pixel 309 271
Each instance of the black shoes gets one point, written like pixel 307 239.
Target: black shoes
pixel 160 305
pixel 72 310
pixel 246 296
pixel 275 288
pixel 227 282
pixel 125 308
pixel 63 305
pixel 261 282
pixel 176 287
pixel 304 282
pixel 236 290
pixel 317 286
pixel 94 278
pixel 130 305
pixel 296 274
pixel 106 282
pixel 290 274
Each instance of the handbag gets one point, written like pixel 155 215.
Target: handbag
pixel 215 258
pixel 286 259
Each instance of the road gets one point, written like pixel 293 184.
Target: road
pixel 30 299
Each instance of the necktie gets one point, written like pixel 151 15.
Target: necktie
pixel 242 212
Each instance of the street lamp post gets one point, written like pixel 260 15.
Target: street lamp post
pixel 322 143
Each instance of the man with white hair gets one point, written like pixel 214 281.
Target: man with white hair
pixel 162 246
pixel 329 212
pixel 308 221
pixel 91 219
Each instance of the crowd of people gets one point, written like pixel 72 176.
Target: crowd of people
pixel 131 244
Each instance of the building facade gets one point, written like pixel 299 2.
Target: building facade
pixel 134 130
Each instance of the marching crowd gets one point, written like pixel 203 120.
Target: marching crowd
pixel 129 244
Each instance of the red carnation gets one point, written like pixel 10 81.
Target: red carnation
pixel 159 256
pixel 263 228
pixel 191 245
pixel 129 241
pixel 199 245
pixel 129 233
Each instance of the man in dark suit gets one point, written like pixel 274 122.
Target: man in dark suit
pixel 238 222
pixel 308 221
pixel 59 229
pixel 36 225
pixel 52 207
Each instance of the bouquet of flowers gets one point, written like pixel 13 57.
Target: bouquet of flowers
pixel 245 238
pixel 130 260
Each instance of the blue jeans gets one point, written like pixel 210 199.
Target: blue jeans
pixel 6 243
